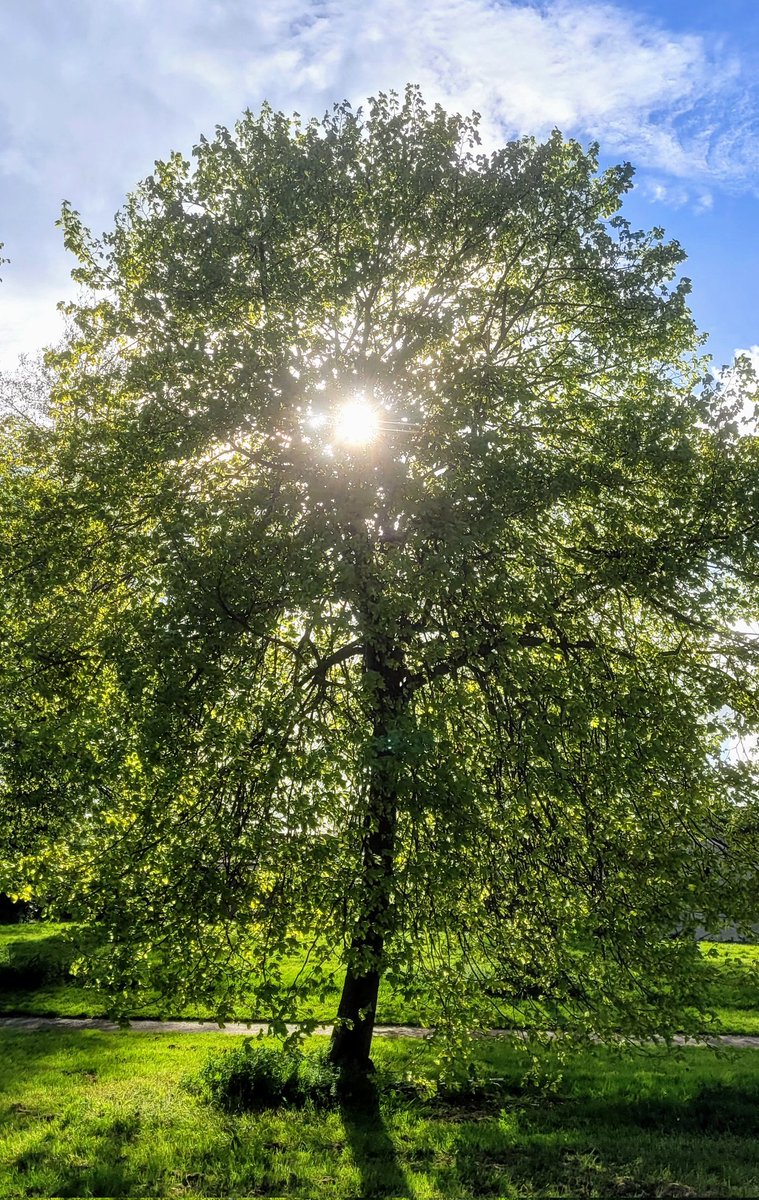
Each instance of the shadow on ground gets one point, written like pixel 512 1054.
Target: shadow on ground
pixel 371 1145
pixel 662 1147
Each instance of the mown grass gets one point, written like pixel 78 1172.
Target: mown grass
pixel 34 980
pixel 94 1114
pixel 734 990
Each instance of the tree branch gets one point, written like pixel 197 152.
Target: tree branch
pixel 494 646
pixel 319 672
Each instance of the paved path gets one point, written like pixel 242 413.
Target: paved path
pixel 33 1024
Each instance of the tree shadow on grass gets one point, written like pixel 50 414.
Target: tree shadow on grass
pixel 371 1144
pixel 642 1147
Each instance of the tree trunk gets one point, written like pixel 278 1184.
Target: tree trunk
pixel 352 1036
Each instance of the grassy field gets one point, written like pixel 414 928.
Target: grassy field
pixel 95 1114
pixel 34 980
pixel 121 1114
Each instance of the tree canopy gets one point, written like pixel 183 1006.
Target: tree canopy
pixel 442 695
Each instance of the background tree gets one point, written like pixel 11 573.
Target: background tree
pixel 373 592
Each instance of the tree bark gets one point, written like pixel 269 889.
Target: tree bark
pixel 352 1036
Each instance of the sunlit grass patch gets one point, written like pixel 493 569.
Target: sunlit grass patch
pixel 121 1115
pixel 34 958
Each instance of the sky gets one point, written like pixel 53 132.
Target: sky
pixel 93 91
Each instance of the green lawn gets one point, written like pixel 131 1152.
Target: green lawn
pixel 734 990
pixel 95 1114
pixel 34 981
pixel 112 1114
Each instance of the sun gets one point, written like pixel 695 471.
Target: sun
pixel 356 423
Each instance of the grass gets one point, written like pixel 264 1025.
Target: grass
pixel 96 1114
pixel 99 1114
pixel 34 981
pixel 734 989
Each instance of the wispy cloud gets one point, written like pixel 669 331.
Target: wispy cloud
pixel 144 73
pixel 676 194
pixel 92 92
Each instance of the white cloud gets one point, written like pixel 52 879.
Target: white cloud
pixel 705 203
pixel 14 162
pixel 91 92
pixel 675 194
pixel 29 318
pixel 150 74
pixel 591 68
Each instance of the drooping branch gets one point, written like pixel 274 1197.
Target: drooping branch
pixel 494 646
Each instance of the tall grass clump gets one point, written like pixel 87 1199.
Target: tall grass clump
pixel 257 1075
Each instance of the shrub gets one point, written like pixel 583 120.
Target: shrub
pixel 258 1075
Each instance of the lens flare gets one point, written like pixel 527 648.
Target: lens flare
pixel 356 423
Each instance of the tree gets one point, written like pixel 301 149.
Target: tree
pixel 388 546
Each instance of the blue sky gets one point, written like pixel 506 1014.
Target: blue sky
pixel 92 91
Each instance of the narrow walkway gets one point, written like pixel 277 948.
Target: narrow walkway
pixel 34 1024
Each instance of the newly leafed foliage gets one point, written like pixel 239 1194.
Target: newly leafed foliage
pixel 450 700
